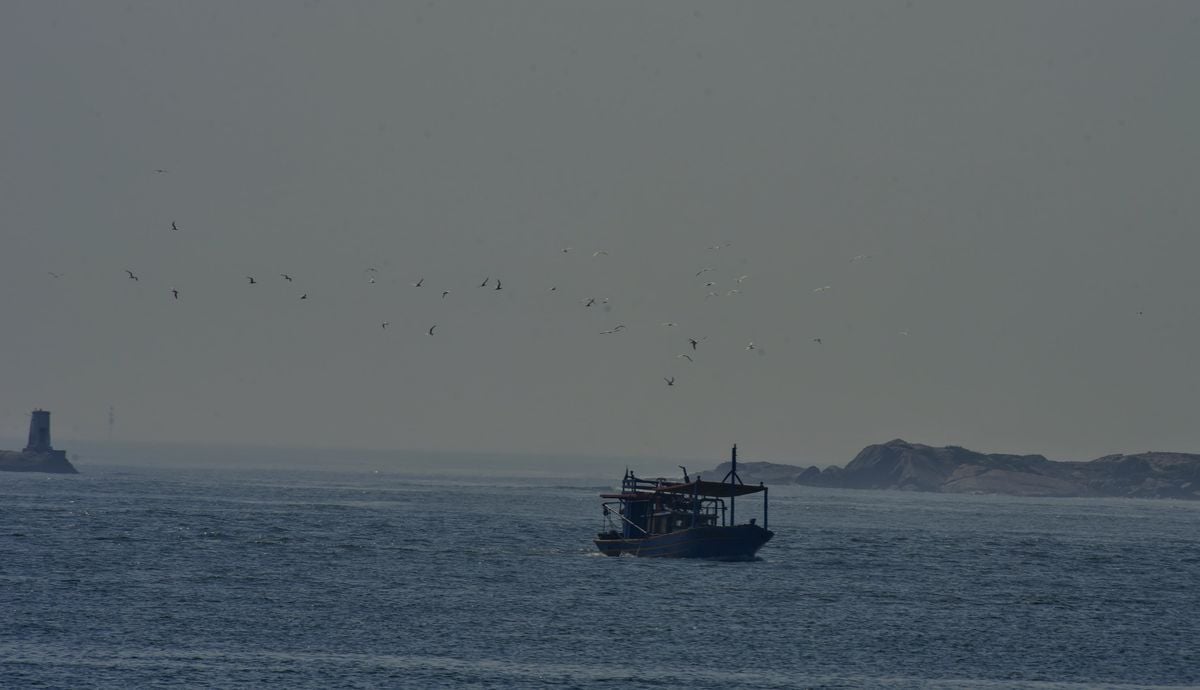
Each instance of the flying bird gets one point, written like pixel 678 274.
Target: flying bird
pixel 613 330
pixel 685 356
pixel 721 245
pixel 734 292
pixel 384 324
pixel 903 332
pixel 485 282
pixel 751 346
pixel 252 280
pixel 418 283
pixel 670 381
pixel 668 324
pixel 706 269
pixel 174 226
pixel 694 342
pixel 175 293
pixel 431 328
pixel 859 257
pixel 823 288
pixel 497 284
pixel 817 340
pixel 304 296
pixel 599 252
pixel 709 284
pixel 590 301
pixel 54 275
pixel 286 277
pixel 161 170
pixel 444 293
pixel 131 275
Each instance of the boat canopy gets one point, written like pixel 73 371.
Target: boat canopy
pixel 699 487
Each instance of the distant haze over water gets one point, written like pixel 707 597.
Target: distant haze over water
pixel 957 223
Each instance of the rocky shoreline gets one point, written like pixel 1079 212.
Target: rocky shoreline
pixel 23 461
pixel 899 465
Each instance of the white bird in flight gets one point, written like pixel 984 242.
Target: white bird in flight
pixel 823 288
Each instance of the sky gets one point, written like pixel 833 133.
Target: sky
pixel 952 222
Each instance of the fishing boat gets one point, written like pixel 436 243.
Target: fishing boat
pixel 682 519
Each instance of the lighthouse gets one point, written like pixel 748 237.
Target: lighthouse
pixel 39 432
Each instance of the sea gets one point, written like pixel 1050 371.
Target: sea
pixel 154 577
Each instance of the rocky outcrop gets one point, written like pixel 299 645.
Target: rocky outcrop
pixel 54 461
pixel 903 466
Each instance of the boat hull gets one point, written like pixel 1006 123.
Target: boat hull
pixel 738 543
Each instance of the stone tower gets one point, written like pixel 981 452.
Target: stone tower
pixel 39 433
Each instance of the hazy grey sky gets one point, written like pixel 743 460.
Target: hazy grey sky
pixel 1024 178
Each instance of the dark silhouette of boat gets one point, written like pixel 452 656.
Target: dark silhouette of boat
pixel 689 519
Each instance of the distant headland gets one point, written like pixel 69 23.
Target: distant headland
pixel 38 455
pixel 903 466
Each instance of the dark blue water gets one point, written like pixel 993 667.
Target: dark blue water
pixel 145 577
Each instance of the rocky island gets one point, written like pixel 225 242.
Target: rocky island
pixel 38 455
pixel 903 466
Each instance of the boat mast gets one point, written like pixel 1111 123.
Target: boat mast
pixel 734 480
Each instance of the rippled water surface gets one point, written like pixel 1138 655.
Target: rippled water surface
pixel 149 577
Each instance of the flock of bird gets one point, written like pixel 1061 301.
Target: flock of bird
pixel 495 284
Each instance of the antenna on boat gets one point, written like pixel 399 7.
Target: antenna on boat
pixel 685 475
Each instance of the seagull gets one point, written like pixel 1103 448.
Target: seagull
pixel 706 269
pixel 721 245
pixel 903 332
pixel 131 275
pixel 497 284
pixel 252 280
pixel 859 257
pixel 685 356
pixel 739 280
pixel 175 293
pixel 590 302
pixel 304 296
pixel 59 275
pixel 694 343
pixel 751 346
pixel 712 294
pixel 734 292
pixel 384 324
pixel 668 324
pixel 670 381
pixel 418 283
pixel 431 328
pixel 709 284
pixel 444 293
pixel 286 277
pixel 817 341
pixel 552 288
pixel 613 330
pixel 823 288
pixel 485 282
pixel 174 226
pixel 566 250
pixel 371 280
pixel 599 252
pixel 161 170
